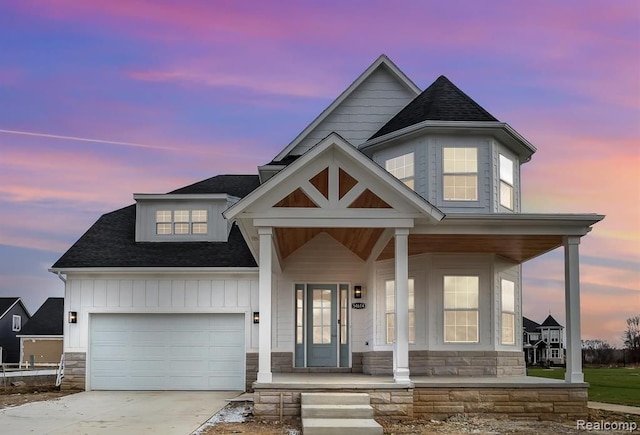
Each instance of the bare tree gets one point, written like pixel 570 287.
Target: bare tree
pixel 631 338
pixel 597 352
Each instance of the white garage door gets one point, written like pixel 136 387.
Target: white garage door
pixel 167 352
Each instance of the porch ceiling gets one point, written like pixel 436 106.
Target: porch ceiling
pixel 360 241
pixel 519 248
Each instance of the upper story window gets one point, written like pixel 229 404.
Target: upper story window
pixel 16 324
pixel 390 310
pixel 506 182
pixel 508 312
pixel 402 168
pixel 181 222
pixel 461 309
pixel 460 174
pixel 555 336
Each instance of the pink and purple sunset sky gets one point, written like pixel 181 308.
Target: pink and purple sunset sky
pixel 172 92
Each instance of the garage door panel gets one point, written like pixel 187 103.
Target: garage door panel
pixel 167 352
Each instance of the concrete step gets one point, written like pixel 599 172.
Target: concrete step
pixel 336 411
pixel 334 399
pixel 340 426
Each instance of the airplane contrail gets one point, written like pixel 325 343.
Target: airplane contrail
pixel 84 139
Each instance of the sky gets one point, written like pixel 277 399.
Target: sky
pixel 103 99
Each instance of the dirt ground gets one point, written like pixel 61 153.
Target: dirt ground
pixel 454 425
pixel 14 396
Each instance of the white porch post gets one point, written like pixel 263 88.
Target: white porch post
pixel 572 308
pixel 264 289
pixel 401 349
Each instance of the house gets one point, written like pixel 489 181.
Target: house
pixel 41 339
pixel 13 317
pixel 380 251
pixel 543 343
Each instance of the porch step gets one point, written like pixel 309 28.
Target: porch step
pixel 338 413
pixel 340 426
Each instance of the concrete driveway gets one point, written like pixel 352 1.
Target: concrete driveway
pixel 116 412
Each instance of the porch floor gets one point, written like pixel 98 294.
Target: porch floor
pixel 304 381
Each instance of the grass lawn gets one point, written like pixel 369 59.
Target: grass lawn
pixel 609 385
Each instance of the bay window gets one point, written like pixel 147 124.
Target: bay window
pixel 461 309
pixel 460 174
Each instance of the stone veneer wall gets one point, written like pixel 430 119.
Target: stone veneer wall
pixel 433 402
pixel 449 363
pixel 270 403
pixel 75 369
pixel 535 402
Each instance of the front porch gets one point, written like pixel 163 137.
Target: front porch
pixel 430 397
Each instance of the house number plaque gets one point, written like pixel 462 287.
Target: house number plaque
pixel 358 305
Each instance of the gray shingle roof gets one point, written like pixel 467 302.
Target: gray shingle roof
pixel 529 325
pixel 48 320
pixel 550 321
pixel 442 101
pixel 6 303
pixel 110 242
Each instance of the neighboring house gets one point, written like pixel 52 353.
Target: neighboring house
pixel 387 239
pixel 13 317
pixel 543 343
pixel 42 336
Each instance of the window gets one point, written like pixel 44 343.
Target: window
pixel 534 337
pixel 555 353
pixel 390 313
pixel 508 312
pixel 299 314
pixel 555 336
pixel 181 222
pixel 460 174
pixel 402 168
pixel 461 309
pixel 545 335
pixel 506 182
pixel 16 324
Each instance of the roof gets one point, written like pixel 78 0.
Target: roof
pixel 442 101
pixel 550 321
pixel 48 320
pixel 529 325
pixel 110 242
pixel 6 304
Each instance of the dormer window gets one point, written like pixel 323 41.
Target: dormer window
pixel 506 182
pixel 460 174
pixel 181 222
pixel 402 168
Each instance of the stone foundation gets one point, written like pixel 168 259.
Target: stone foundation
pixel 533 403
pixel 75 369
pixel 449 363
pixel 536 402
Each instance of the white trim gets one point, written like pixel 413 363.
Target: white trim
pixel 178 196
pixel 382 60
pixel 41 337
pixel 9 309
pixel 157 270
pixel 321 222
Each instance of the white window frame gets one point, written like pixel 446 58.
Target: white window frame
pixel 508 314
pixel 181 222
pixel 506 181
pixel 390 311
pixel 456 306
pixel 403 168
pixel 458 169
pixel 555 353
pixel 554 336
pixel 16 323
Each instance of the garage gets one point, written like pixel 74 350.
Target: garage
pixel 166 352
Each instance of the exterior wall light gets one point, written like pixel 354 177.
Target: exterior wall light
pixel 73 317
pixel 256 317
pixel 357 292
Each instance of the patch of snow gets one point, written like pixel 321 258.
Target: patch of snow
pixel 232 413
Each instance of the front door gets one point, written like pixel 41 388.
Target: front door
pixel 322 325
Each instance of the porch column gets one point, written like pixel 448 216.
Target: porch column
pixel 264 289
pixel 572 308
pixel 401 349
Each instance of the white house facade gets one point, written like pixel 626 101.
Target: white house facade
pixel 386 239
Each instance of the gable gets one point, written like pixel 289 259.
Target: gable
pixel 380 92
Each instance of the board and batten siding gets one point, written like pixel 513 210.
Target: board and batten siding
pixel 322 260
pixel 363 112
pixel 152 294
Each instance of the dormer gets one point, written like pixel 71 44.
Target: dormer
pixel 182 217
pixel 453 152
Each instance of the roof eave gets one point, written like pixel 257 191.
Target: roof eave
pixel 508 133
